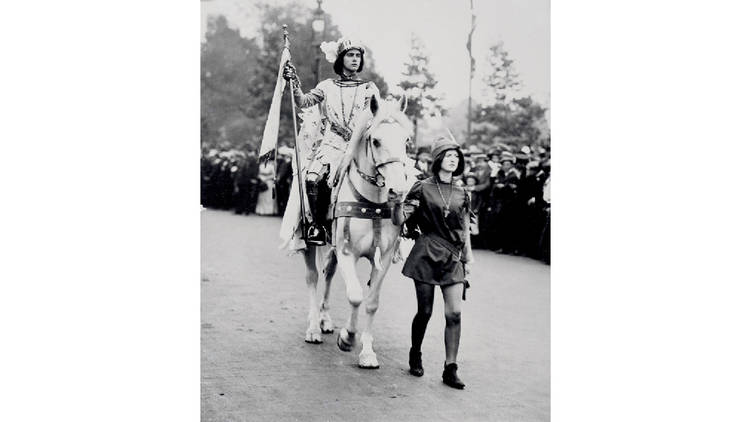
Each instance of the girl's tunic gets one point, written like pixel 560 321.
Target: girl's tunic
pixel 441 211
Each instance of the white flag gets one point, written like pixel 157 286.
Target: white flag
pixel 271 131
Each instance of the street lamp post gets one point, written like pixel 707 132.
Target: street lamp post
pixel 319 27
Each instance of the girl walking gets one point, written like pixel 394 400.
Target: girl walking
pixel 441 255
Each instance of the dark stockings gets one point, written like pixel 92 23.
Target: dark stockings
pixel 425 297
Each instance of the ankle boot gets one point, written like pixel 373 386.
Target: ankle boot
pixel 450 377
pixel 415 363
pixel 315 234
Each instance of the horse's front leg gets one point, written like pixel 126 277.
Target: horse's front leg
pixel 313 333
pixel 346 339
pixel 367 357
pixel 326 323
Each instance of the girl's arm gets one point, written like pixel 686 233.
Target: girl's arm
pixel 402 211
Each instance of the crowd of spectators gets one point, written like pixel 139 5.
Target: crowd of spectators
pixel 510 191
pixel 234 179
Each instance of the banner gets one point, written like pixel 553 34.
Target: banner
pixel 271 131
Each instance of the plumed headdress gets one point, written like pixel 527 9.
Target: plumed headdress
pixel 333 49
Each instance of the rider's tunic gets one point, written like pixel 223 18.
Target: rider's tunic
pixel 341 104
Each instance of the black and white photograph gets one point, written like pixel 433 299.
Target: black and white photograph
pixel 341 210
pixel 375 210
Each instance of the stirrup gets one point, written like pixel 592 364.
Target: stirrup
pixel 316 235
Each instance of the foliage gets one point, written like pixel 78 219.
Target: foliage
pixel 418 83
pixel 227 63
pixel 501 117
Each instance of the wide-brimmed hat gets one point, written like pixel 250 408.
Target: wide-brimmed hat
pixel 285 150
pixel 507 156
pixel 496 152
pixel 439 147
pixel 472 176
pixel 480 156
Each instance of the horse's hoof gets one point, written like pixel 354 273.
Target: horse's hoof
pixel 326 326
pixel 368 361
pixel 313 338
pixel 345 346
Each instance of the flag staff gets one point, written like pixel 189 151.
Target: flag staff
pixel 471 67
pixel 300 186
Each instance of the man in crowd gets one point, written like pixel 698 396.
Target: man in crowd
pixel 284 177
pixel 423 163
pixel 504 192
pixel 481 172
pixel 246 180
pixel 531 217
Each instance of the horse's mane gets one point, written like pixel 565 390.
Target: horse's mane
pixel 387 111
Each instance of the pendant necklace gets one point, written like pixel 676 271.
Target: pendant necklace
pixel 351 112
pixel 446 209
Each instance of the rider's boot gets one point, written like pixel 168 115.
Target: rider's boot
pixel 315 234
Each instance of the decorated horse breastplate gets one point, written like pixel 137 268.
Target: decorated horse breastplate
pixel 362 207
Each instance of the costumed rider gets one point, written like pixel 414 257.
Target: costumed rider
pixel 341 102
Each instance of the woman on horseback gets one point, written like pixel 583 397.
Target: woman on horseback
pixel 341 102
pixel 441 255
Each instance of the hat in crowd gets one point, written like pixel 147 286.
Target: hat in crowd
pixel 439 147
pixel 526 149
pixel 496 152
pixel 479 156
pixel 285 150
pixel 533 164
pixel 473 149
pixel 507 156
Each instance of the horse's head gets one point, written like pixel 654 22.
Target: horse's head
pixel 385 143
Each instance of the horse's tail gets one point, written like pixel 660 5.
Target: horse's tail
pixel 330 261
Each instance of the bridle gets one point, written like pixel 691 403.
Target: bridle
pixel 378 164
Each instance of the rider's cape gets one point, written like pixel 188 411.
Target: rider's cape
pixel 309 135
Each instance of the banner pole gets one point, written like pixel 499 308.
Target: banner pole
pixel 300 186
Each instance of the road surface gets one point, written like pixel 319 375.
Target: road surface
pixel 255 365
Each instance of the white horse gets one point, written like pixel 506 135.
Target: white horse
pixel 374 165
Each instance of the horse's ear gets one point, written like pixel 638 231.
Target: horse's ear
pixel 403 102
pixel 374 104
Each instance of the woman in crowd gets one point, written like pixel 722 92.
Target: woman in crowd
pixel 441 255
pixel 266 201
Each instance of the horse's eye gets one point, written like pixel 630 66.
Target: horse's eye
pixel 376 142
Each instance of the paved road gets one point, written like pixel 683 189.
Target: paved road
pixel 255 365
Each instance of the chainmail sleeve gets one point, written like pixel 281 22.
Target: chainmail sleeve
pixel 315 96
